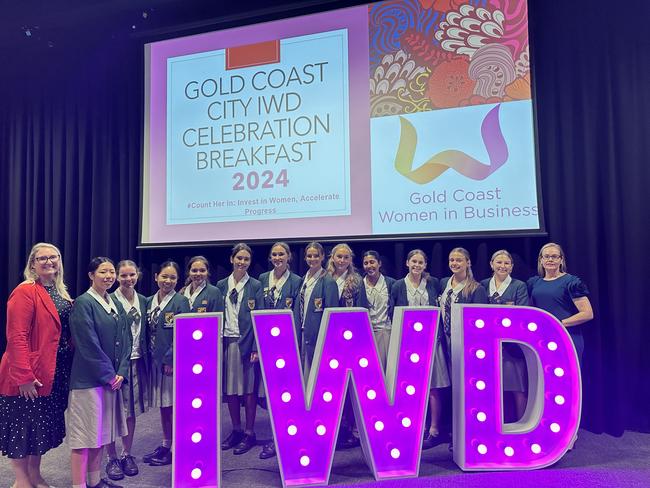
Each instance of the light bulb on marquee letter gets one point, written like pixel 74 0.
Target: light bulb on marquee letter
pixel 389 412
pixel 481 440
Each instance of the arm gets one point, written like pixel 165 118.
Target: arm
pixel 585 313
pixel 20 315
pixel 182 305
pixel 521 294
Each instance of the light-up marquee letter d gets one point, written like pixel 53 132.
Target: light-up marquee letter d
pixel 481 439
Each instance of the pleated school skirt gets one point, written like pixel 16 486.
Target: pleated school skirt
pixel 94 417
pixel 240 376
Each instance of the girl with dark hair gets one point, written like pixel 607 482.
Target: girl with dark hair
pixel 280 288
pixel 161 309
pixel 203 296
pixel 417 289
pixel 135 393
pixel 376 292
pixel 241 374
pixel 102 338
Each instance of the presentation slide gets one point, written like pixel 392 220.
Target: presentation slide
pixel 397 118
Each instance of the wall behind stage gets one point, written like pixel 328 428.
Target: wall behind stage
pixel 70 146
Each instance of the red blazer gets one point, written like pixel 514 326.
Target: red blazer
pixel 33 332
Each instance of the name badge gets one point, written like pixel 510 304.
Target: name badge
pixel 251 304
pixel 288 302
pixel 318 304
pixel 204 302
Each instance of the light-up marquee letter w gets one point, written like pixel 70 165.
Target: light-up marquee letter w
pixel 389 410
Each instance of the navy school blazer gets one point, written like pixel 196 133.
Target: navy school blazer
pixel 252 299
pixel 290 291
pixel 209 300
pixel 400 296
pixel 515 294
pixel 161 333
pixel 102 344
pixel 477 296
pixel 325 294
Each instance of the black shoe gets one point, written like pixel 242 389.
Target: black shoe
pixel 104 483
pixel 162 460
pixel 347 442
pixel 157 452
pixel 247 443
pixel 431 440
pixel 114 469
pixel 232 440
pixel 268 451
pixel 129 466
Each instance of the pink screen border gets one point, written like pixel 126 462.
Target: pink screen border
pixel 355 19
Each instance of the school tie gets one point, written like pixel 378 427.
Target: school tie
pixel 270 298
pixel 447 320
pixel 302 303
pixel 495 298
pixel 134 315
pixel 233 295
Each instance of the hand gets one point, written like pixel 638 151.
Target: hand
pixel 116 383
pixel 168 370
pixel 28 390
pixel 254 357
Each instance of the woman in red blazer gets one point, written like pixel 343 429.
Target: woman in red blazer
pixel 35 368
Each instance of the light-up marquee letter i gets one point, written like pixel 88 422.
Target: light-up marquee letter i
pixel 481 439
pixel 197 400
pixel 389 410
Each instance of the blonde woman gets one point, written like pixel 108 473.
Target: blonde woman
pixel 35 368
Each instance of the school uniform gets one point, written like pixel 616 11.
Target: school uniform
pixel 316 294
pixel 426 294
pixel 206 298
pixel 160 320
pixel 102 338
pixel 349 290
pixel 510 292
pixel 240 376
pixel 282 293
pixel 380 309
pixel 135 394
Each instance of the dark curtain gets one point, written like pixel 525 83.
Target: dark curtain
pixel 70 151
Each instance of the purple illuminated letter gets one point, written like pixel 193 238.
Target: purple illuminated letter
pixel 197 400
pixel 481 439
pixel 389 409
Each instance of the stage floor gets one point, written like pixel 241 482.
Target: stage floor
pixel 597 461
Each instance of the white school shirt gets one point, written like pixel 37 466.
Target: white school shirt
pixel 340 283
pixel 232 309
pixel 455 291
pixel 502 287
pixel 108 306
pixel 160 305
pixel 136 327
pixel 192 296
pixel 378 303
pixel 278 284
pixel 417 296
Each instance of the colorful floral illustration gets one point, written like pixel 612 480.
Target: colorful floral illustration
pixel 437 54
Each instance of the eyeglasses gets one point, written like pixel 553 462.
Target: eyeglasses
pixel 44 259
pixel 549 257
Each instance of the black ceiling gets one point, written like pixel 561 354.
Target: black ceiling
pixel 53 24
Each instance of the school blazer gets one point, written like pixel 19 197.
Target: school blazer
pixel 161 333
pixel 290 291
pixel 477 296
pixel 515 294
pixel 102 344
pixel 144 328
pixel 252 299
pixel 363 296
pixel 326 291
pixel 33 333
pixel 209 300
pixel 400 296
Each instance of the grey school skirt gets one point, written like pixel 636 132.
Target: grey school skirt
pixel 94 417
pixel 135 394
pixel 161 392
pixel 240 376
